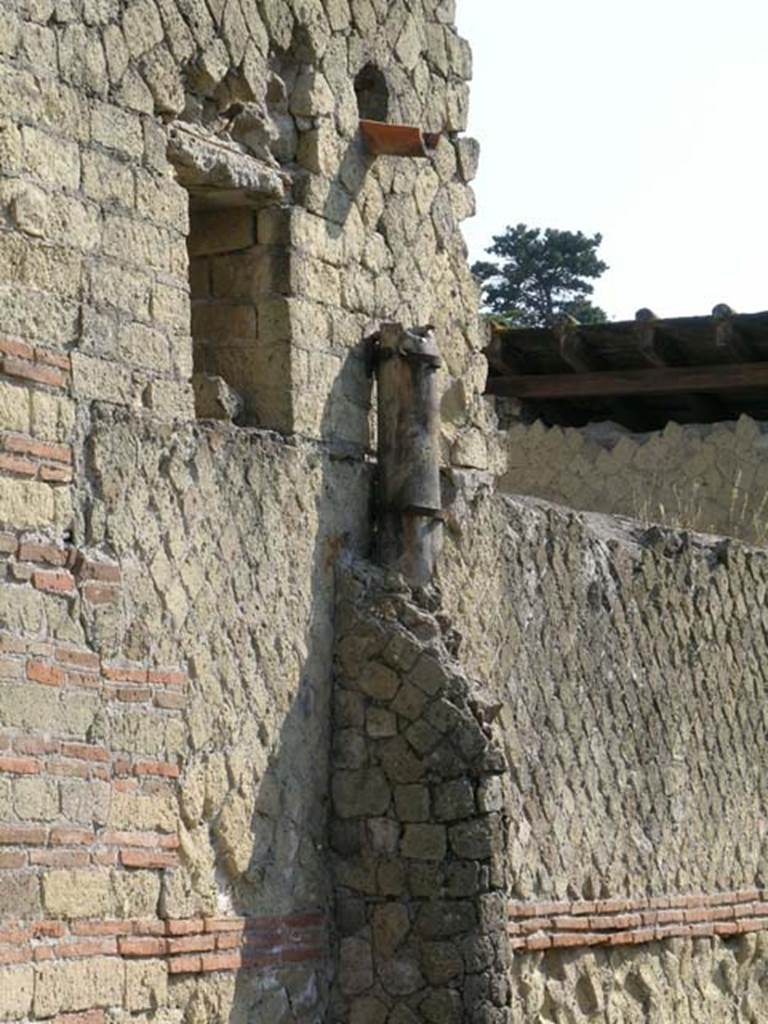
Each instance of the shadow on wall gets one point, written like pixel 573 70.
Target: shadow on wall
pixel 289 822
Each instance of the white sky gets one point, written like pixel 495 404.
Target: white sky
pixel 645 121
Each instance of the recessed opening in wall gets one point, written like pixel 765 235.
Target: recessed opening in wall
pixel 224 284
pixel 372 94
pixel 240 369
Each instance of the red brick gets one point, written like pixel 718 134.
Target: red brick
pixel 15 934
pixel 222 962
pixel 229 940
pixel 54 581
pixel 128 694
pixel 40 449
pixel 85 751
pixel 46 355
pixel 535 942
pixel 14 956
pixel 60 858
pixel 14 347
pixel 35 745
pixel 71 837
pixel 78 658
pixel 22 835
pixel 185 965
pixel 14 367
pixel 83 680
pixel 163 768
pixel 192 944
pixel 726 928
pixel 149 926
pixel 44 953
pixel 544 908
pixel 142 947
pixel 48 929
pixel 167 677
pixel 185 926
pixel 747 895
pixel 31 551
pixel 671 931
pixel 100 947
pixel 42 672
pixel 101 593
pixel 86 1017
pixel 104 858
pixel 101 927
pixel 694 916
pixel 133 858
pixel 565 939
pixel 669 917
pixel 10 860
pixel 20 765
pixel 56 474
pixel 617 922
pixel 224 924
pixel 18 465
pixel 104 572
pixel 125 673
pixel 126 785
pixel 536 924
pixel 572 923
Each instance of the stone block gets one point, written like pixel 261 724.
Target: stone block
pixel 73 985
pixel 221 231
pixel 53 160
pixel 454 800
pixel 380 723
pixel 36 799
pixel 16 989
pixel 378 682
pixel 74 894
pixel 412 803
pixel 14 407
pixel 19 898
pixel 146 984
pixel 359 794
pixel 441 962
pixel 424 842
pixel 355 966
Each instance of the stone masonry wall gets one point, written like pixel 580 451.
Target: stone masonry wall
pixel 166 607
pixel 710 478
pixel 418 833
pixel 164 726
pixel 629 664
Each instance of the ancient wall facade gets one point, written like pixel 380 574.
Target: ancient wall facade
pixel 537 793
pixel 628 664
pixel 711 478
pixel 187 211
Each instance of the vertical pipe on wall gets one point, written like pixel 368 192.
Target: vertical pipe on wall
pixel 409 505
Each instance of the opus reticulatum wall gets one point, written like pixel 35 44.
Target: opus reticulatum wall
pixel 560 809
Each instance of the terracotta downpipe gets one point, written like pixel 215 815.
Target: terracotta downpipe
pixel 384 139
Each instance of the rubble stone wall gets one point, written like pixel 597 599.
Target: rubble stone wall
pixel 711 478
pixel 418 828
pixel 629 664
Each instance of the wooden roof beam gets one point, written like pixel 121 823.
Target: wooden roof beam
pixel 728 338
pixel 669 380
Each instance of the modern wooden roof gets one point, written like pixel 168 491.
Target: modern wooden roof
pixel 641 373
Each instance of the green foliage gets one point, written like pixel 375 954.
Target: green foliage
pixel 540 276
